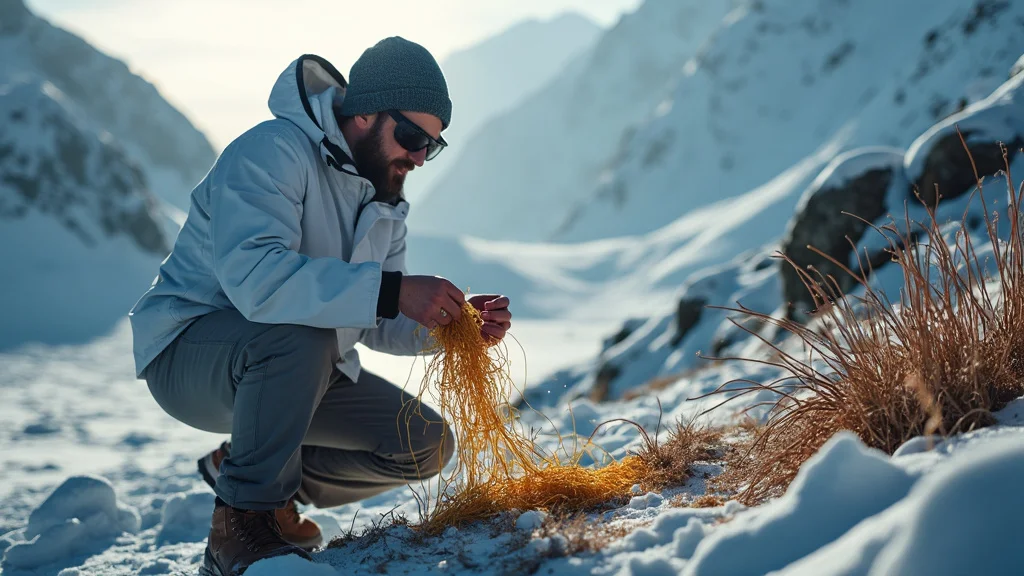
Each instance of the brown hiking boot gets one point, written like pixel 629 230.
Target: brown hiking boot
pixel 296 528
pixel 239 538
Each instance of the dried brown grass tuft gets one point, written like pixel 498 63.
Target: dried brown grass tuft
pixel 671 463
pixel 708 501
pixel 939 361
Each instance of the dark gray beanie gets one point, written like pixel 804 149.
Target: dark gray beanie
pixel 396 74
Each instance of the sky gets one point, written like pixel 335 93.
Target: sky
pixel 216 60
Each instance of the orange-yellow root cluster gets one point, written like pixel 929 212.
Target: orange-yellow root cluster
pixel 499 466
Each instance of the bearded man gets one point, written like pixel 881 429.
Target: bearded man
pixel 294 251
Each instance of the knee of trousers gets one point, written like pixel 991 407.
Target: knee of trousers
pixel 437 453
pixel 304 346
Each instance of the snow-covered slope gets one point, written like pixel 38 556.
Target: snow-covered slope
pixel 520 173
pixel 80 235
pixel 779 78
pixel 489 78
pixel 173 154
pixel 872 182
pixel 87 490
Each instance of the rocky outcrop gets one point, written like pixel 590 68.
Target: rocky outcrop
pixel 937 163
pixel 948 172
pixel 832 214
pixel 52 164
pixel 112 98
pixel 688 313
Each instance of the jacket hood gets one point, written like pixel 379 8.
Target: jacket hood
pixel 306 94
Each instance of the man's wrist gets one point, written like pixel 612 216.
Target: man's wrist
pixel 387 298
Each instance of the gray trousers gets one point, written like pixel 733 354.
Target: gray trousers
pixel 298 426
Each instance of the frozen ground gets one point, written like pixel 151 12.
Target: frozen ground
pixel 129 501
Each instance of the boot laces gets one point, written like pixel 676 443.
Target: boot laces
pixel 258 529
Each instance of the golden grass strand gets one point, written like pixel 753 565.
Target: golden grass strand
pixel 499 467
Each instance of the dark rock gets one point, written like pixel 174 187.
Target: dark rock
pixel 688 313
pixel 603 382
pixel 13 15
pixel 947 167
pixel 628 327
pixel 984 11
pixel 822 224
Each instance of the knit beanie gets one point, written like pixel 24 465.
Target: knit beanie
pixel 396 74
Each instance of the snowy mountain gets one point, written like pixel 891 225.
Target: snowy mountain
pixel 538 159
pixel 172 153
pixel 86 150
pixel 81 237
pixel 778 79
pixel 489 78
pixel 872 182
pixel 680 106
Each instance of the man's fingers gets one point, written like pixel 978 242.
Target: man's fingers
pixel 496 316
pixel 496 330
pixel 453 307
pixel 454 293
pixel 497 303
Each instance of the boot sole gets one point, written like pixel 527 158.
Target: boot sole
pixel 207 471
pixel 308 545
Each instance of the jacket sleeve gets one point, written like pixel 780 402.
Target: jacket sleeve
pixel 255 212
pixel 402 335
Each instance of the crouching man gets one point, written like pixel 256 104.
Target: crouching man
pixel 294 251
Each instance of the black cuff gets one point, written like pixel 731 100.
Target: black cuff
pixel 387 300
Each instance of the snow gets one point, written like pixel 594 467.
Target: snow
pixel 777 81
pixel 997 118
pixel 542 156
pixel 289 565
pixel 79 516
pixel 97 479
pixel 185 517
pixel 78 223
pixel 488 79
pixel 710 101
pixel 112 99
pixel 841 485
pixel 530 520
pixel 980 496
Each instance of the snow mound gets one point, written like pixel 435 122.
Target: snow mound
pixel 841 485
pixel 966 519
pixel 80 516
pixel 186 518
pixel 530 520
pixel 291 565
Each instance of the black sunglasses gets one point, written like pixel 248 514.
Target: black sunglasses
pixel 413 138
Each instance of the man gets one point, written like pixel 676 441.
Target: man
pixel 294 251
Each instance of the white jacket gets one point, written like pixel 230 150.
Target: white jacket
pixel 284 230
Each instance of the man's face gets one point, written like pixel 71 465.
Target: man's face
pixel 383 161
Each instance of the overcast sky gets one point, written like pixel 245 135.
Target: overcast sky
pixel 217 59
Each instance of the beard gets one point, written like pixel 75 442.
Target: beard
pixel 373 165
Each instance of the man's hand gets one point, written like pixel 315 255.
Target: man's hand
pixel 430 300
pixel 497 319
